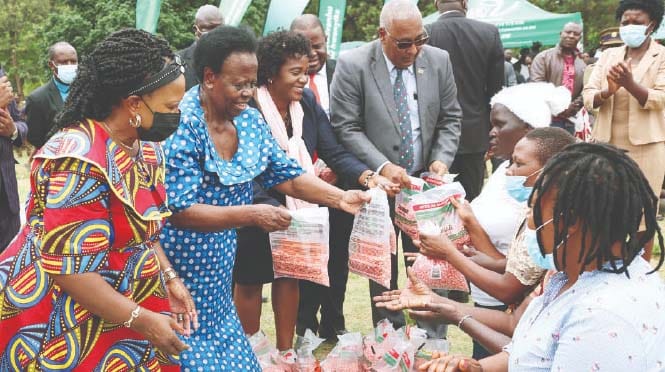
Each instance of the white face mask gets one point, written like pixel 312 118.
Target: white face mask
pixel 67 73
pixel 633 35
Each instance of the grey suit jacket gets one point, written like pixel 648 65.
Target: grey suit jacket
pixel 364 114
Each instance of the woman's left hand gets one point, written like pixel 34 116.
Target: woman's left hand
pixel 385 184
pixel 451 363
pixel 435 246
pixel 183 309
pixel 353 200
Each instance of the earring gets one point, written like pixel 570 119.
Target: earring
pixel 269 81
pixel 136 122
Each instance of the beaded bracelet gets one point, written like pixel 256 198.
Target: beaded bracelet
pixel 464 318
pixel 135 314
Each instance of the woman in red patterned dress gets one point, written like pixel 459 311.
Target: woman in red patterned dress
pixel 85 285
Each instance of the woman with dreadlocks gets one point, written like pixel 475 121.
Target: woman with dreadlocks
pixel 85 285
pixel 603 309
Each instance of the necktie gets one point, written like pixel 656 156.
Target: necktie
pixel 406 138
pixel 312 86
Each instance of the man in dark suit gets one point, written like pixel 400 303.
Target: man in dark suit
pixel 393 103
pixel 12 133
pixel 476 53
pixel 207 18
pixel 321 67
pixel 46 101
pixel 314 296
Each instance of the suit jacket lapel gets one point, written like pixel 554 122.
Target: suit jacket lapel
pixel 425 83
pixel 54 94
pixel 382 79
pixel 646 62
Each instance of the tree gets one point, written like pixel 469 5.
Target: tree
pixel 596 15
pixel 20 46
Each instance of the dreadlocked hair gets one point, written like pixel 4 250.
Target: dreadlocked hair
pixel 654 8
pixel 119 63
pixel 602 188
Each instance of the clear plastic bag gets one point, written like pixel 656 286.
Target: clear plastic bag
pixel 264 351
pixel 305 346
pixel 372 240
pixel 302 250
pixel 347 356
pixel 433 213
pixel 439 274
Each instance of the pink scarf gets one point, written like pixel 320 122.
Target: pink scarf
pixel 295 146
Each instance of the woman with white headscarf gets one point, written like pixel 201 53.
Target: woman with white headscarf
pixel 494 217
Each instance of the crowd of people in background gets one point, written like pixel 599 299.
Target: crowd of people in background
pixel 158 175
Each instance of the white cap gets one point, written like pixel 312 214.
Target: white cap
pixel 534 103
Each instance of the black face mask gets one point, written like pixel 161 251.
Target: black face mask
pixel 163 126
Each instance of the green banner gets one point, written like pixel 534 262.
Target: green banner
pixel 281 13
pixel 331 14
pixel 147 14
pixel 233 10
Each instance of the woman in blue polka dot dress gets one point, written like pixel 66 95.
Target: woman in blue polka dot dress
pixel 220 146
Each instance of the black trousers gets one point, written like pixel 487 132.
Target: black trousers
pixel 479 352
pixel 471 172
pixel 330 300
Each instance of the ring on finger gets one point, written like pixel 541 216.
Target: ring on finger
pixel 180 317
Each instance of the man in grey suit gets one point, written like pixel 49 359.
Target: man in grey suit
pixel 394 105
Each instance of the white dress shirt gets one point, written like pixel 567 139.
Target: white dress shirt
pixel 321 81
pixel 409 78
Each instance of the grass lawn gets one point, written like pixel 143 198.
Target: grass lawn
pixel 356 306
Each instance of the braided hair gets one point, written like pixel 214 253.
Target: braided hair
pixel 602 188
pixel 654 8
pixel 119 63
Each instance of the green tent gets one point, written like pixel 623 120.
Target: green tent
pixel 520 23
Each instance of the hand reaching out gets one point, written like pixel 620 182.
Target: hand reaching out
pixel 416 294
pixel 451 363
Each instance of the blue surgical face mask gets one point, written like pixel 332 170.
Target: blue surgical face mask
pixel 516 189
pixel 633 35
pixel 545 262
pixel 67 73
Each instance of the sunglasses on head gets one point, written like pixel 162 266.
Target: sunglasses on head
pixel 407 44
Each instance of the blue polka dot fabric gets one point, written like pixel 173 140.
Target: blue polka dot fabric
pixel 196 174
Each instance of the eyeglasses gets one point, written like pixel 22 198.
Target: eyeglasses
pixel 407 44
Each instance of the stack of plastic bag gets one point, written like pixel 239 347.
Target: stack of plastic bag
pixel 265 352
pixel 386 350
pixel 302 250
pixel 305 347
pixel 373 240
pixel 347 356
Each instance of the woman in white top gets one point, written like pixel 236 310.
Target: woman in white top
pixel 497 213
pixel 603 309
